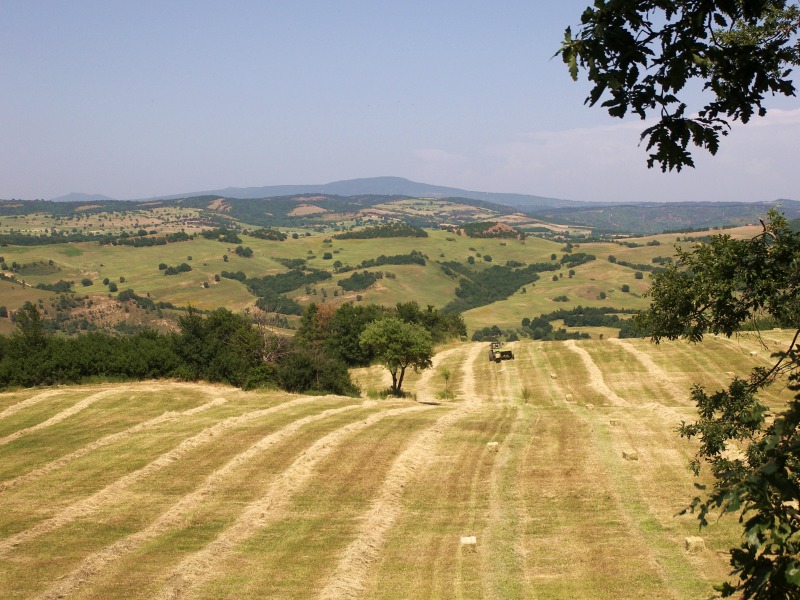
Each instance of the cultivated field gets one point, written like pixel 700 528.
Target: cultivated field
pixel 176 490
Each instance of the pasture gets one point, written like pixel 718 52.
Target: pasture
pixel 177 490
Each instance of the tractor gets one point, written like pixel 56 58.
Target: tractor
pixel 496 353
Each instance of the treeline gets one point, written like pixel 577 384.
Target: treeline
pixel 222 234
pixel 268 234
pixel 495 334
pixel 577 259
pixel 479 288
pixel 415 257
pixel 140 239
pixel 219 347
pixel 360 281
pixel 181 268
pixel 637 266
pixel 270 289
pixel 388 230
pixel 335 332
pixel 541 328
pixel 144 241
pixel 142 301
pixel 490 229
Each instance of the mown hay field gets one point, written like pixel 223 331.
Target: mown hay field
pixel 178 490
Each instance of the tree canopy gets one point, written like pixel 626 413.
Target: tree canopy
pixel 642 55
pixel 719 288
pixel 398 345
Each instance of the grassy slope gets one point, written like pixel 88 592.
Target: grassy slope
pixel 255 494
pixel 426 285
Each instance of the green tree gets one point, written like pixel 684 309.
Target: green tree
pixel 718 288
pixel 640 56
pixel 398 345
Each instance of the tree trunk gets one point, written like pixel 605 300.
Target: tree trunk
pixel 400 381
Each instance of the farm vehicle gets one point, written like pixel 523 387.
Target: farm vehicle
pixel 498 353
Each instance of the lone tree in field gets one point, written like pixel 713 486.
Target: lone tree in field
pixel 641 56
pixel 398 345
pixel 717 289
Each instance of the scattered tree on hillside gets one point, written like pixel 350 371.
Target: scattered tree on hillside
pixel 640 55
pixel 398 345
pixel 719 288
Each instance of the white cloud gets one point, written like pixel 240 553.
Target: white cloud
pixel 757 161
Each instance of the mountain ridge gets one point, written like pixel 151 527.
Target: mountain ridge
pixel 385 185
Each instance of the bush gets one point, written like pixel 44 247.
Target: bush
pixel 112 287
pixel 638 275
pixel 626 288
pixel 327 256
pixel 86 282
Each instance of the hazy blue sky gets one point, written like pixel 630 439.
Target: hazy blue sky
pixel 138 99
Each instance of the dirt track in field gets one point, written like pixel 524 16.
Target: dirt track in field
pixel 539 479
pixel 353 566
pixel 597 380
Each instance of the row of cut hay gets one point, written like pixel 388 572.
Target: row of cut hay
pixel 232 504
pixel 177 456
pixel 422 556
pixel 651 490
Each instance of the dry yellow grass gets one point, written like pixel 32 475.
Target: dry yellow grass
pixel 190 491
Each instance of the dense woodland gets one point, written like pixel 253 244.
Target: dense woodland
pixel 218 347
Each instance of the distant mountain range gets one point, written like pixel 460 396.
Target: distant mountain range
pixel 78 197
pixel 352 195
pixel 382 186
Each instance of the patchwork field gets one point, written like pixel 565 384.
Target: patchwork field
pixel 176 490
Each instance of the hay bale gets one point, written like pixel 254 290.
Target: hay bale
pixel 753 353
pixel 553 376
pixel 730 373
pixel 568 398
pixel 469 543
pixel 493 446
pixel 589 406
pixel 694 544
pixel 630 455
pixel 614 422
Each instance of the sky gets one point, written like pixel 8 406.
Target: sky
pixel 140 99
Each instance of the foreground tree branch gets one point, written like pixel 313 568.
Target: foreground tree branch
pixel 641 55
pixel 755 460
